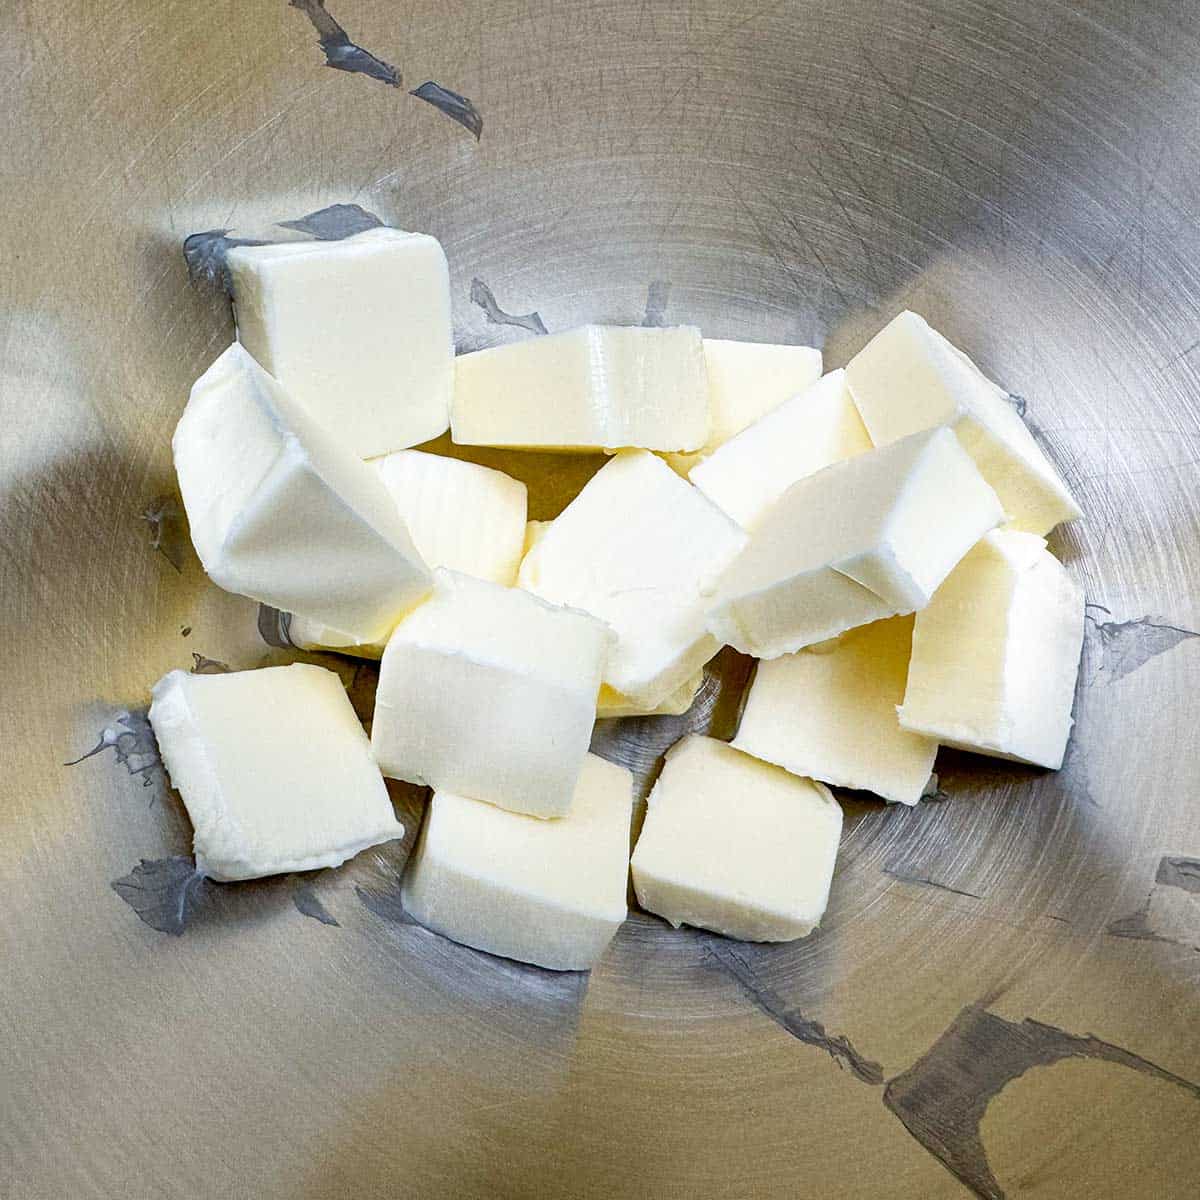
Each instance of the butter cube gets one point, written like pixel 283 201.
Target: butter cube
pixel 461 516
pixel 597 387
pixel 909 378
pixel 489 692
pixel 282 513
pixel 358 331
pixel 274 769
pixel 746 475
pixel 613 704
pixel 861 540
pixel 736 845
pixel 747 380
pixel 545 892
pixel 996 654
pixel 829 712
pixel 634 549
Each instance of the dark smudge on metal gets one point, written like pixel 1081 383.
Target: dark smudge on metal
pixel 131 739
pixel 658 296
pixel 340 52
pixel 731 958
pixel 209 666
pixel 1179 873
pixel 334 223
pixel 1135 926
pixel 941 1099
pixel 167 533
pixel 307 902
pixel 205 255
pixel 1124 646
pixel 482 295
pixel 164 892
pixel 457 108
pixel 275 627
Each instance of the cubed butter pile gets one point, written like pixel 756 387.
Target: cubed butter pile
pixel 875 536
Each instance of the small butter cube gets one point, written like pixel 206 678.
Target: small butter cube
pixel 358 331
pixel 746 475
pixel 489 692
pixel 861 540
pixel 598 387
pixel 282 513
pixel 909 377
pixel 634 548
pixel 829 712
pixel 736 845
pixel 746 380
pixel 461 516
pixel 996 653
pixel 613 704
pixel 274 769
pixel 544 892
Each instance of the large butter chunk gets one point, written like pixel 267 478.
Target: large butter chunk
pixel 861 540
pixel 909 377
pixel 545 892
pixel 746 380
pixel 489 692
pixel 736 845
pixel 461 516
pixel 599 387
pixel 746 475
pixel 829 712
pixel 996 653
pixel 635 548
pixel 274 769
pixel 282 513
pixel 358 331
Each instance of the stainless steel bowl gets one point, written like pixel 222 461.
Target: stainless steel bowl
pixel 1003 997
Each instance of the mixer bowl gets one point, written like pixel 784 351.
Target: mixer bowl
pixel 1002 1000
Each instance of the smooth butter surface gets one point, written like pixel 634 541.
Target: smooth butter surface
pixel 909 378
pixel 829 713
pixel 804 434
pixel 736 845
pixel 281 512
pixel 490 692
pixel 996 654
pixel 274 769
pixel 460 516
pixel 545 892
pixel 635 548
pixel 746 380
pixel 863 539
pixel 357 330
pixel 599 387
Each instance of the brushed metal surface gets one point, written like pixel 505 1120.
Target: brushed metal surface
pixel 1024 172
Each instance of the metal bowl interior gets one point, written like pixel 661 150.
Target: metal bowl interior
pixel 1024 174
